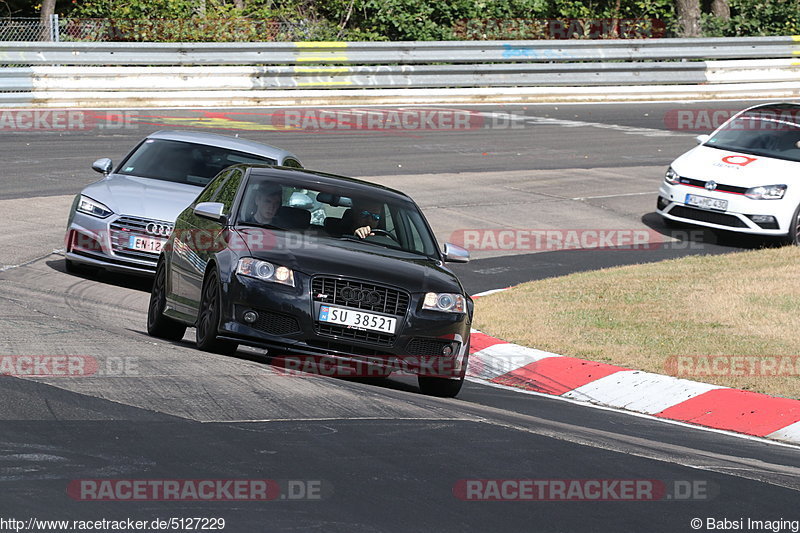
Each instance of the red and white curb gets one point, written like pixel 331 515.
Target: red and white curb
pixel 498 362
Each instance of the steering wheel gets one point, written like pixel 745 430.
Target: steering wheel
pixel 384 233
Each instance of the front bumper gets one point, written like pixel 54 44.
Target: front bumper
pixel 103 243
pixel 738 217
pixel 424 342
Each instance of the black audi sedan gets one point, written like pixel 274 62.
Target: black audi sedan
pixel 315 267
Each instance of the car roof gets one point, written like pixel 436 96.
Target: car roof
pixel 224 141
pixel 313 177
pixel 775 105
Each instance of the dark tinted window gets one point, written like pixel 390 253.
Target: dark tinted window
pixel 332 212
pixel 211 188
pixel 766 131
pixel 227 193
pixel 183 162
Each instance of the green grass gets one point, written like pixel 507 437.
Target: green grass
pixel 639 316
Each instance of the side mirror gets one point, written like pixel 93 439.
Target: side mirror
pixel 210 210
pixel 103 166
pixel 455 254
pixel 702 138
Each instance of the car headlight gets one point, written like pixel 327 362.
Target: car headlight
pixel 766 192
pixel 445 302
pixel 93 207
pixel 672 177
pixel 264 270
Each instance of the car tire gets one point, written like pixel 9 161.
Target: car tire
pixel 207 327
pixel 159 325
pixel 669 223
pixel 441 387
pixel 794 229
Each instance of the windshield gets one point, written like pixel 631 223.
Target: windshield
pixel 770 132
pixel 336 214
pixel 183 162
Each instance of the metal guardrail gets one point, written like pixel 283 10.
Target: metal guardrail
pixel 114 73
pixel 419 52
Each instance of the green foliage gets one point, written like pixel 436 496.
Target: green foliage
pixel 751 17
pixel 412 20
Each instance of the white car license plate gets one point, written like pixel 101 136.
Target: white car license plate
pixel 704 202
pixel 356 319
pixel 146 245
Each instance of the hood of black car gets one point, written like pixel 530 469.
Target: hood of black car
pixel 321 256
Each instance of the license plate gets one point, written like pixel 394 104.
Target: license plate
pixel 356 319
pixel 146 245
pixel 704 202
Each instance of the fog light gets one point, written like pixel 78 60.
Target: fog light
pixel 250 317
pixel 447 350
pixel 762 218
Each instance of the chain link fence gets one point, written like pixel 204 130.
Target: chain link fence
pixel 29 29
pixel 158 30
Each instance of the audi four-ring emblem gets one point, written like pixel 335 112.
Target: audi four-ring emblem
pixel 353 294
pixel 162 230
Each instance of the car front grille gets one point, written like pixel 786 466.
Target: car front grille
pixel 343 332
pixel 711 217
pixel 427 347
pixel 347 349
pixel 124 227
pixel 276 323
pixel 719 187
pixel 334 291
pixel 373 298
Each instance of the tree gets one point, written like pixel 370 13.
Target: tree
pixel 721 9
pixel 48 10
pixel 688 12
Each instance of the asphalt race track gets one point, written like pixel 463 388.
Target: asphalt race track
pixel 366 455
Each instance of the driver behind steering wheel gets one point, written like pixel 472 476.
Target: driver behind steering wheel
pixel 366 217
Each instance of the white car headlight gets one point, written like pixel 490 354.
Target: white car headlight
pixel 93 207
pixel 766 192
pixel 672 177
pixel 265 270
pixel 444 302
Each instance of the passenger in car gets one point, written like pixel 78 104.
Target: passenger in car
pixel 268 201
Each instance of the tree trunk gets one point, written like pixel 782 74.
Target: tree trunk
pixel 688 17
pixel 238 4
pixel 721 9
pixel 48 9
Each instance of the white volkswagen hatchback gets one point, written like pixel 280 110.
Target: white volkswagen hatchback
pixel 744 177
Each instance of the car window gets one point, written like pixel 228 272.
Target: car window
pixel 335 214
pixel 290 162
pixel 227 192
pixel 771 132
pixel 211 189
pixel 183 162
